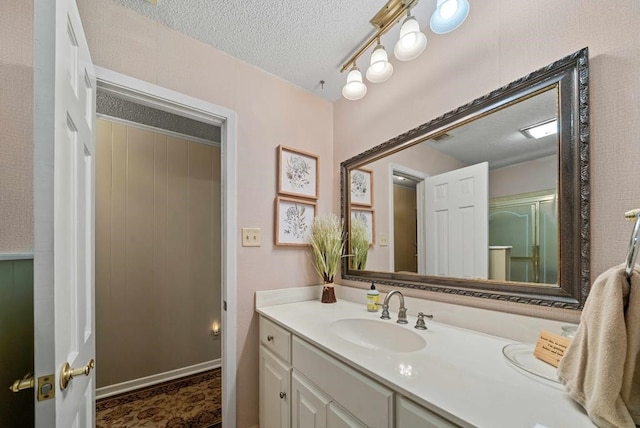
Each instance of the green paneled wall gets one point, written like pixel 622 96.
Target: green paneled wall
pixel 16 341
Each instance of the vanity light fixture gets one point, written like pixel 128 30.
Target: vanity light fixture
pixel 411 44
pixel 542 129
pixel 449 15
pixel 380 69
pixel 354 89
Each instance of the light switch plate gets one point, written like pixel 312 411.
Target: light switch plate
pixel 251 237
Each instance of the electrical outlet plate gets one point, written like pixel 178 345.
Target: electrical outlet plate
pixel 251 237
pixel 383 239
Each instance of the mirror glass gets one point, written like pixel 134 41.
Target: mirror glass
pixel 489 200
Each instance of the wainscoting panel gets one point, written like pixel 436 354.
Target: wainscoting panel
pixel 157 252
pixel 16 341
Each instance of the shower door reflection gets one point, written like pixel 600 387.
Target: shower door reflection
pixel 528 224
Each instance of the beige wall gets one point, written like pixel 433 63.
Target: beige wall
pixel 16 133
pixel 501 41
pixel 524 177
pixel 157 252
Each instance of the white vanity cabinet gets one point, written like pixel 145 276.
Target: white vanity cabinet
pixel 338 383
pixel 275 375
pixel 302 386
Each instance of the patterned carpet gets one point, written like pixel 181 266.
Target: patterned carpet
pixel 189 402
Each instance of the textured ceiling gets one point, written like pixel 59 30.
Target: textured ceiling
pixel 301 41
pixel 496 138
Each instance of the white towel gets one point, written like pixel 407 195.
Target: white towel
pixel 600 368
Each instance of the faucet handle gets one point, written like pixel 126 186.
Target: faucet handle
pixel 385 312
pixel 420 325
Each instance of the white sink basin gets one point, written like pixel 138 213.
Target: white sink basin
pixel 378 335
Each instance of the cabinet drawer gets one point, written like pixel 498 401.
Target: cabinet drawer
pixel 366 399
pixel 276 339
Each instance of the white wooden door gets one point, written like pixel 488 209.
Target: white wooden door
pixel 456 214
pixel 65 78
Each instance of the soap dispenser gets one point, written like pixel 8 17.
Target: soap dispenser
pixel 372 299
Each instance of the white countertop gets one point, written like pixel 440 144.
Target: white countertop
pixel 459 374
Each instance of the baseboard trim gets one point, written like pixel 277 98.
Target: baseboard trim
pixel 130 385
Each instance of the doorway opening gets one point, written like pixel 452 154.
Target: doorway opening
pixel 204 117
pixel 406 228
pixel 158 281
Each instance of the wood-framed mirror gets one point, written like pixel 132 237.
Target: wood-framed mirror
pixel 489 200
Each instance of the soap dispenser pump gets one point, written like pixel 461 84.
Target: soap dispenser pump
pixel 372 299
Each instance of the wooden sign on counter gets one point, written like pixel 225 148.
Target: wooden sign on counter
pixel 550 347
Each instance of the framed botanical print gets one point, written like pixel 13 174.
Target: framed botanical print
pixel 297 173
pixel 367 217
pixel 293 220
pixel 361 185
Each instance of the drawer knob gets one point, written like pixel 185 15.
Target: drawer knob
pixel 270 338
pixel 283 395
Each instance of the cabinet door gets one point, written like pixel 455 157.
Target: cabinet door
pixel 274 391
pixel 339 418
pixel 308 405
pixel 410 415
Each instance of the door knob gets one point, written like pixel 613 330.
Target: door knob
pixel 25 383
pixel 67 373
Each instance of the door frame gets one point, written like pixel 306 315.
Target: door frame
pixel 145 93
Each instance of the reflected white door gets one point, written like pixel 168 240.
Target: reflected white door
pixel 66 79
pixel 456 215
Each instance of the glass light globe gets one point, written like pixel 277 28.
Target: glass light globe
pixel 449 15
pixel 448 9
pixel 354 89
pixel 412 42
pixel 380 69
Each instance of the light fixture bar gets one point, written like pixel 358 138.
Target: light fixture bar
pixel 382 21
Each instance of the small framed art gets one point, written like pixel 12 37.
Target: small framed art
pixel 293 220
pixel 367 217
pixel 297 173
pixel 361 183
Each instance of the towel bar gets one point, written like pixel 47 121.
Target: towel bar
pixel 632 254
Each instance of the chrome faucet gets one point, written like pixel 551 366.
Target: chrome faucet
pixel 402 312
